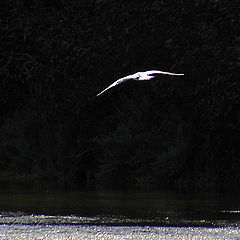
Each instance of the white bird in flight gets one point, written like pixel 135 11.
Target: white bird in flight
pixel 139 76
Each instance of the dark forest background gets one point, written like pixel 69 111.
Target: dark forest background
pixel 173 133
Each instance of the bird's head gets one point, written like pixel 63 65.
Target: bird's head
pixel 143 76
pixel 149 77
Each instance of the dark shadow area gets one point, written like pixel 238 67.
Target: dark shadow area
pixel 170 133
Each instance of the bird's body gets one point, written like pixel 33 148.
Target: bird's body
pixel 139 76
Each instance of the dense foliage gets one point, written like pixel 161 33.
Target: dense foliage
pixel 183 133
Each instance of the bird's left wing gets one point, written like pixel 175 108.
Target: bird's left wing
pixel 119 81
pixel 153 72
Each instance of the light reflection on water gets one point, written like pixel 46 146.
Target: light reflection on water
pixel 28 214
pixel 73 232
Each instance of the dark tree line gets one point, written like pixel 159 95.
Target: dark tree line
pixel 181 133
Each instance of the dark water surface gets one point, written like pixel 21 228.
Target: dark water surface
pixel 122 215
pixel 125 208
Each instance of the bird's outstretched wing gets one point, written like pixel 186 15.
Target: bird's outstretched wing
pixel 155 72
pixel 139 76
pixel 119 81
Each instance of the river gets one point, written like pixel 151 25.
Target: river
pixel 31 214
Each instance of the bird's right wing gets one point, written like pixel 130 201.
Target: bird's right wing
pixel 153 72
pixel 119 81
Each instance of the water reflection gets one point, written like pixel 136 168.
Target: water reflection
pixel 109 232
pixel 119 208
